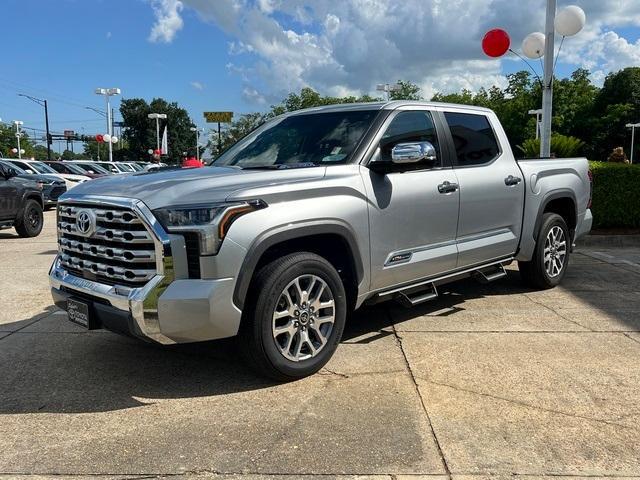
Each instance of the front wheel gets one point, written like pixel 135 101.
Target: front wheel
pixel 551 256
pixel 294 321
pixel 29 224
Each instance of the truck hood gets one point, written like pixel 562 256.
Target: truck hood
pixel 189 186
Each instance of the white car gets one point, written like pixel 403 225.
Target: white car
pixel 34 166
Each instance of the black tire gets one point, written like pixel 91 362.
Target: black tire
pixel 534 273
pixel 30 222
pixel 257 343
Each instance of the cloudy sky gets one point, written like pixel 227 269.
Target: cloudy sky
pixel 244 55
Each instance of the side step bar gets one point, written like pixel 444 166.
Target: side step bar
pixel 425 290
pixel 409 300
pixel 490 276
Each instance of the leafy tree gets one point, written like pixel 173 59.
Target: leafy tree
pixel 8 141
pixel 140 131
pixel 405 91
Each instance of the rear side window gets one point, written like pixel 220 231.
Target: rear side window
pixel 473 137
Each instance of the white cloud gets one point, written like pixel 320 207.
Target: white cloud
pixel 168 20
pixel 351 45
pixel 197 85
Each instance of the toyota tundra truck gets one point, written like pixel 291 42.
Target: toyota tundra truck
pixel 306 219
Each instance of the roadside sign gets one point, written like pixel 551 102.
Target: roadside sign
pixel 69 133
pixel 218 117
pixel 118 124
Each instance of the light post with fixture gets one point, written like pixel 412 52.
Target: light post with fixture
pixel 109 138
pixel 197 131
pixel 18 124
pixel 633 127
pixel 42 103
pixel 388 88
pixel 157 117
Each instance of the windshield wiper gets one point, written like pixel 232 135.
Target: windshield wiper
pixel 281 166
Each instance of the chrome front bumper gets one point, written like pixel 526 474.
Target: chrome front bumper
pixel 169 308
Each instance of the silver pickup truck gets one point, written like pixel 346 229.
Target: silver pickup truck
pixel 309 217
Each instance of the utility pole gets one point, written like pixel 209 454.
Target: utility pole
pixel 547 92
pixel 42 103
pixel 219 140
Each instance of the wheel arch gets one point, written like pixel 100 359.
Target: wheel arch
pixel 562 202
pixel 331 240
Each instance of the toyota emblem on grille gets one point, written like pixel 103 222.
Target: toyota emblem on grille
pixel 85 223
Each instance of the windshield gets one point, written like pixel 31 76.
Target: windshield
pixel 42 168
pixel 18 170
pixel 309 139
pixel 125 168
pixel 90 167
pixel 136 167
pixel 74 169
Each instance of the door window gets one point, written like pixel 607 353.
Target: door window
pixel 473 137
pixel 410 126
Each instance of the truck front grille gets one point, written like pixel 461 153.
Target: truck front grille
pixel 119 250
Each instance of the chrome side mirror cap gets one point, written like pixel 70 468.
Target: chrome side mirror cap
pixel 404 153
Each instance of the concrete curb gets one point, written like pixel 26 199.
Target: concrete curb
pixel 621 241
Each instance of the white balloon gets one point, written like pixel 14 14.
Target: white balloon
pixel 570 20
pixel 533 45
pixel 114 139
pixel 106 137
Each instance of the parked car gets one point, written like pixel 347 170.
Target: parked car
pixel 69 168
pixel 21 202
pixel 309 217
pixel 34 166
pixel 51 186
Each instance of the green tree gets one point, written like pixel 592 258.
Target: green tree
pixel 140 131
pixel 8 141
pixel 405 91
pixel 616 104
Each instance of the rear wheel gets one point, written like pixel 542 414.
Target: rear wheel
pixel 551 256
pixel 30 222
pixel 294 321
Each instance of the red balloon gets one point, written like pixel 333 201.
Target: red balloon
pixel 157 152
pixel 496 42
pixel 99 138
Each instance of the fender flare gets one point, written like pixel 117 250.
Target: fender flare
pixel 285 233
pixel 548 198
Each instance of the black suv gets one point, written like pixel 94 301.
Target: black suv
pixel 21 203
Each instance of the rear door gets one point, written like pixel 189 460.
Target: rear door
pixel 491 188
pixel 412 218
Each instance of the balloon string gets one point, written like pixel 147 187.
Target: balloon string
pixel 557 55
pixel 529 65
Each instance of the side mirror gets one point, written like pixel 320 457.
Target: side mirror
pixel 404 153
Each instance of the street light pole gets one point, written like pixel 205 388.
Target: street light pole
pixel 632 126
pixel 109 92
pixel 18 123
pixel 197 130
pixel 42 103
pixel 157 117
pixel 547 92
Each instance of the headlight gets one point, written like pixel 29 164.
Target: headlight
pixel 210 222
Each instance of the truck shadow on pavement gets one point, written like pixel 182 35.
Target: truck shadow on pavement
pixel 50 365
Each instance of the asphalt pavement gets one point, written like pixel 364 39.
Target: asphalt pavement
pixel 487 381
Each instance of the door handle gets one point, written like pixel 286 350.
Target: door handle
pixel 447 187
pixel 510 181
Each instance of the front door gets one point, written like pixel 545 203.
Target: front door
pixel 412 221
pixel 8 196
